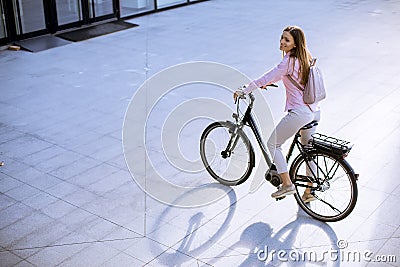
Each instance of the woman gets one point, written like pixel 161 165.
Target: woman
pixel 296 63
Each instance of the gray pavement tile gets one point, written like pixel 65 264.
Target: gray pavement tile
pixel 122 238
pixel 12 166
pixel 128 196
pixel 388 213
pixel 97 145
pixel 98 228
pixel 394 242
pixel 397 233
pixel 389 253
pixel 42 181
pixel 110 183
pixel 166 233
pixel 54 255
pixel 109 152
pixel 80 197
pixel 65 248
pixel 24 263
pixel 24 227
pixel 74 219
pixel 59 160
pixel 93 174
pixel 81 137
pixel 212 256
pixel 8 183
pixel 176 257
pixel 39 201
pixel 146 249
pixel 76 167
pixel 386 174
pixel 14 213
pixel 43 155
pixel 22 192
pixel 380 264
pixel 62 189
pixel 108 123
pixel 8 133
pixel 119 162
pixel 345 228
pixel 372 229
pixel 94 255
pixel 122 260
pixel 24 146
pixel 369 200
pixel 116 134
pixel 39 239
pixel 6 201
pixel 129 219
pixel 8 259
pixel 58 209
pixel 27 174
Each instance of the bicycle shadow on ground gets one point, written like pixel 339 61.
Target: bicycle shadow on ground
pixel 302 242
pixel 201 229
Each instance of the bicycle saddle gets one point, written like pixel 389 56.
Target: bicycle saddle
pixel 309 125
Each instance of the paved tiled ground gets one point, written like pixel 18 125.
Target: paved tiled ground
pixel 67 197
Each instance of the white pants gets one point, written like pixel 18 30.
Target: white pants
pixel 286 128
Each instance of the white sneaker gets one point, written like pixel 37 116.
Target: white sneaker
pixel 307 197
pixel 284 191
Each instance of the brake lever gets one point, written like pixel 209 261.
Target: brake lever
pixel 269 85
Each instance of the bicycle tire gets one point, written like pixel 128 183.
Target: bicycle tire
pixel 243 153
pixel 343 192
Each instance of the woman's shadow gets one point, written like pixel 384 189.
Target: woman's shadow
pixel 264 245
pixel 189 244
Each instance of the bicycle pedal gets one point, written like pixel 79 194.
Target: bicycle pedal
pixel 280 198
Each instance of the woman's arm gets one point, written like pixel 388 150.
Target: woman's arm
pixel 271 76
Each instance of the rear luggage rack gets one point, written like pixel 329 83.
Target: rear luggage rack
pixel 331 144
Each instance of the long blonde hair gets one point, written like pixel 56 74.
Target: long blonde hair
pixel 300 51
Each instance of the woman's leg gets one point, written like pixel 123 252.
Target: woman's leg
pixel 287 127
pixel 306 137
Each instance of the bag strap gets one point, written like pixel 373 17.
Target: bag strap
pixel 312 64
pixel 294 82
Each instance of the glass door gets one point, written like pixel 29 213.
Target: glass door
pixel 68 11
pixel 132 7
pixel 168 3
pixel 98 10
pixel 3 33
pixel 29 16
pixel 78 12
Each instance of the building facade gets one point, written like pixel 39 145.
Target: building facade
pixel 22 19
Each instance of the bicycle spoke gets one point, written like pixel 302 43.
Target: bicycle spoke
pixel 227 155
pixel 332 207
pixel 331 181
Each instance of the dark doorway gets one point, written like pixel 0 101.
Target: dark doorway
pixel 23 19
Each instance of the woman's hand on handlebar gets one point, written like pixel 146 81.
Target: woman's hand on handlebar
pixel 237 93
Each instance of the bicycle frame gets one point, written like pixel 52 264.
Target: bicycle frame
pixel 249 120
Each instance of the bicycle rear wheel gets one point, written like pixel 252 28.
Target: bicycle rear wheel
pixel 226 153
pixel 332 182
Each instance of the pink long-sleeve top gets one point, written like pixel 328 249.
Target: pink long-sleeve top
pixel 294 97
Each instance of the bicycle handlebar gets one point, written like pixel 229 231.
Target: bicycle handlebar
pixel 251 96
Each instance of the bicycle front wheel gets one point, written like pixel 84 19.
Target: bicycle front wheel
pixel 331 182
pixel 226 153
